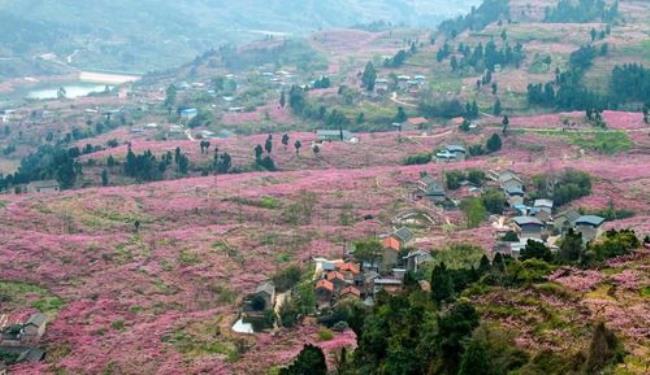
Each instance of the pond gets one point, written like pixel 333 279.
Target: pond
pixel 72 91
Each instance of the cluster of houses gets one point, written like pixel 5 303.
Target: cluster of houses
pixel 21 340
pixel 539 221
pixel 343 279
pixel 403 83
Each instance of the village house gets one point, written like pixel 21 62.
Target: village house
pixel 337 279
pixel 399 239
pixel 350 292
pixel 262 299
pixel 324 292
pixel 528 227
pixel 324 135
pixel 431 189
pixel 514 195
pixel 545 205
pixel 381 86
pixel 589 226
pixel 416 258
pixel 189 113
pixel 35 327
pixel 47 186
pixel 388 285
pixel 451 153
pixel 565 220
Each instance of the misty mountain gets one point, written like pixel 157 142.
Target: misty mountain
pixel 143 35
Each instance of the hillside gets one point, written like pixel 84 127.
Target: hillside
pixel 471 199
pixel 146 35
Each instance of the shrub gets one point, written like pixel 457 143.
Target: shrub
pixel 325 334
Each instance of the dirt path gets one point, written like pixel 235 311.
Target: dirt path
pixel 395 99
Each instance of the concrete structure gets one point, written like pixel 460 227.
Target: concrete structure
pixel 334 135
pixel 528 227
pixel 589 226
pixel 48 186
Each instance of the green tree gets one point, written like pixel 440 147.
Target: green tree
pixel 494 201
pixel 475 360
pixel 476 177
pixel 268 145
pixel 170 96
pixel 259 151
pixel 369 77
pixel 497 108
pixel 494 144
pixel 537 250
pixel 453 179
pixel 310 361
pixel 453 329
pixel 367 251
pixel 465 126
pixel 474 211
pixel 571 247
pixel 442 287
pixel 285 140
pixel 401 116
pixel 287 278
pixel 105 177
pixel 604 349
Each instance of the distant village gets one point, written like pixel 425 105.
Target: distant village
pixel 346 278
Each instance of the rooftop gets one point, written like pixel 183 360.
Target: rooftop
pixel 592 220
pixel 527 220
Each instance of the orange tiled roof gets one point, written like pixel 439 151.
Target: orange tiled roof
pixel 391 242
pixel 351 290
pixel 324 284
pixel 331 276
pixel 349 267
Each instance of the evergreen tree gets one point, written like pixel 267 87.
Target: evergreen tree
pixel 369 77
pixel 475 360
pixel 258 153
pixel 401 116
pixel 536 250
pixel 104 177
pixel 497 107
pixel 484 266
pixel 170 96
pixel 494 143
pixel 604 349
pixel 571 247
pixel 442 287
pixel 268 145
pixel 285 140
pixel 310 361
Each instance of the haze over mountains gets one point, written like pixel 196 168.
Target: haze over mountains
pixel 152 34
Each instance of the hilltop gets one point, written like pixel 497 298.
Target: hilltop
pixel 49 36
